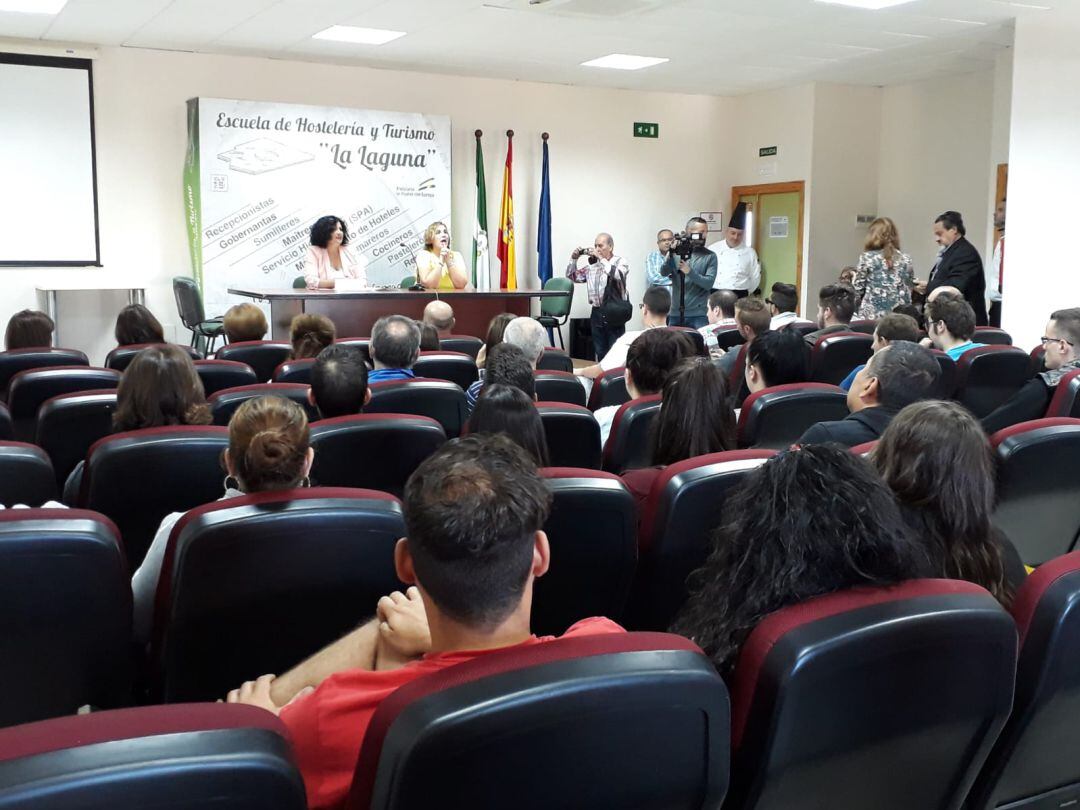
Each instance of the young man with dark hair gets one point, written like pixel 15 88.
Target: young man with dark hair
pixel 525 333
pixel 753 320
pixel 890 328
pixel 474 544
pixel 836 306
pixel 395 345
pixel 655 306
pixel 896 376
pixel 722 308
pixel 339 381
pixel 782 302
pixel 950 325
pixel 776 358
pixel 1061 343
pixel 508 365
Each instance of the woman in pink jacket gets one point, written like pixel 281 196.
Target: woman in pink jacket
pixel 328 257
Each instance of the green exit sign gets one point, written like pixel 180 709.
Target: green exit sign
pixel 643 130
pixel 767 151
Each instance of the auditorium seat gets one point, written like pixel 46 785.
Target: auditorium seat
pixel 372 451
pixel 804 328
pixel 864 449
pixel 217 375
pixel 1038 487
pixel 294 371
pixel 863 326
pixel 1066 399
pixel 223 403
pixel 883 698
pixel 572 433
pixel 120 357
pixel 592 529
pixel 947 380
pixel 29 389
pixel 737 377
pixel 776 417
pixel 628 446
pixel 1037 360
pixel 992 336
pixel 65 627
pixel 443 401
pixel 262 355
pixel 465 344
pixel 834 356
pixel 7 430
pixel 603 721
pixel 695 337
pixel 68 424
pixel 257 583
pixel 361 343
pixel 559 386
pixel 456 367
pixel 609 389
pixel 554 360
pixel 1034 765
pixel 26 475
pixel 728 337
pixel 225 757
pixel 987 376
pixel 139 477
pixel 16 360
pixel 686 503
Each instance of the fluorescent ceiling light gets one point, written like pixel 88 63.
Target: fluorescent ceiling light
pixel 873 5
pixel 33 6
pixel 360 36
pixel 624 61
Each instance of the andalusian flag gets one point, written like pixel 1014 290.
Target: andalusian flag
pixel 481 275
pixel 508 274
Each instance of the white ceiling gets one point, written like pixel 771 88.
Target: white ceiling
pixel 721 47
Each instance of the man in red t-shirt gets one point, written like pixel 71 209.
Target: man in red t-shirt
pixel 473 516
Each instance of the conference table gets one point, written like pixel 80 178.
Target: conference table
pixel 354 312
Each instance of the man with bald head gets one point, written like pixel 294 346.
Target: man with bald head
pixel 594 267
pixel 440 315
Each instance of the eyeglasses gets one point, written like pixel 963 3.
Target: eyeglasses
pixel 1044 340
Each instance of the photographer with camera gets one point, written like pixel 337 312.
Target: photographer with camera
pixel 604 275
pixel 738 268
pixel 692 268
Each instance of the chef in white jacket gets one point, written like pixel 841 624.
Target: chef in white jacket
pixel 738 268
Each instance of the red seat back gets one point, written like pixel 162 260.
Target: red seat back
pixel 987 376
pixel 776 417
pixel 628 445
pixel 835 355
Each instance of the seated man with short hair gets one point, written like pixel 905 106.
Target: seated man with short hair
pixel 836 307
pixel 525 333
pixel 395 345
pixel 655 306
pixel 440 315
pixel 753 320
pixel 950 325
pixel 896 376
pixel 776 358
pixel 339 381
pixel 890 328
pixel 721 315
pixel 508 365
pixel 782 303
pixel 474 544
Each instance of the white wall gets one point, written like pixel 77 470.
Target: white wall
pixel 602 178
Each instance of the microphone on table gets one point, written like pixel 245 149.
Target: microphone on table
pixel 417 287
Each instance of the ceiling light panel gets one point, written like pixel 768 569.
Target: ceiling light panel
pixel 625 61
pixel 33 6
pixel 872 5
pixel 356 35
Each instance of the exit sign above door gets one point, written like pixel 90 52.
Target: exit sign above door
pixel 767 151
pixel 643 130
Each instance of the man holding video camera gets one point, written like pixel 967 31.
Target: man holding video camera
pixel 692 268
pixel 604 274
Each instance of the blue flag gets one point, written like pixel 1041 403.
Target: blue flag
pixel 543 238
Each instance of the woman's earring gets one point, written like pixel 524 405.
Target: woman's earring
pixel 234 485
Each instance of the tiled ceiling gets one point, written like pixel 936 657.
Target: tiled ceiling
pixel 721 47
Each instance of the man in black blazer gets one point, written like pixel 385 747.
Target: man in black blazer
pixel 959 265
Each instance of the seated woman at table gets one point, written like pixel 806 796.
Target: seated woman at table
pixel 437 266
pixel 328 258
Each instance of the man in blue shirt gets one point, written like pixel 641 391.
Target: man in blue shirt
pixel 950 325
pixel 395 345
pixel 891 327
pixel 655 260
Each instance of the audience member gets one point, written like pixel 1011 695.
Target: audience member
pixel 884 277
pixel 911 311
pixel 655 260
pixel 651 359
pixel 950 325
pixel 938 462
pixel 440 315
pixel 753 320
pixel 495 330
pixel 776 358
pixel 721 315
pixel 890 328
pixel 474 513
pixel 806 523
pixel 896 376
pixel 782 303
pixel 309 334
pixel 836 306
pixel 1062 355
pixel 244 322
pixel 525 333
pixel 429 337
pixel 268 450
pixel 655 305
pixel 160 387
pixel 136 324
pixel 506 409
pixel 29 329
pixel 339 381
pixel 395 345
pixel 508 365
pixel 694 420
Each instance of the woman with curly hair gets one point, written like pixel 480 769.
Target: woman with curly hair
pixel 329 258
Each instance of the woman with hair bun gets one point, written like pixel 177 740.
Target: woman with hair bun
pixel 269 449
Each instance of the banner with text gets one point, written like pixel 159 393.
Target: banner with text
pixel 258 174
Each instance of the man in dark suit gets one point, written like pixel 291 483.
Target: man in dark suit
pixel 959 265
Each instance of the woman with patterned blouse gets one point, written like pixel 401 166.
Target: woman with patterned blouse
pixel 885 276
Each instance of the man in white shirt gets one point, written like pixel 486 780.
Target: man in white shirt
pixel 721 314
pixel 996 270
pixel 655 306
pixel 738 268
pixel 782 304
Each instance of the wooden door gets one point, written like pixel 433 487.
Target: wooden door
pixel 774 229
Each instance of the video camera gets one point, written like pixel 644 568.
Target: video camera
pixel 683 244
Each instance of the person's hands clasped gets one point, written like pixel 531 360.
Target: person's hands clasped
pixel 403 625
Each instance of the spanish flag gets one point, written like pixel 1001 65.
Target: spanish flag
pixel 506 253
